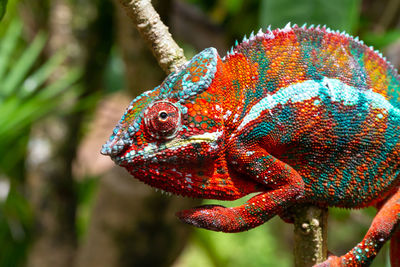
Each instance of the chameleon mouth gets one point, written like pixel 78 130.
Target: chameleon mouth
pixel 154 151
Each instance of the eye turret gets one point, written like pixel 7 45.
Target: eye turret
pixel 162 119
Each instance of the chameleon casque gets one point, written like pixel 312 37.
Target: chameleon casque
pixel 296 115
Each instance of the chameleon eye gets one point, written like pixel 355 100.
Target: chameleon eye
pixel 162 119
pixel 162 115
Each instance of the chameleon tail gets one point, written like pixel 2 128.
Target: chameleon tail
pixel 395 249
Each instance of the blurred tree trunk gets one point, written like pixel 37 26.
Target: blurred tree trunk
pixel 50 181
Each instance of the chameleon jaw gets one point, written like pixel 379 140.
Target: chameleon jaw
pixel 154 152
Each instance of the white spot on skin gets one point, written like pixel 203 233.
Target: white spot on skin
pixel 227 114
pixel 150 147
pixel 235 118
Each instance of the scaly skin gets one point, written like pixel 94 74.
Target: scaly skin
pixel 298 115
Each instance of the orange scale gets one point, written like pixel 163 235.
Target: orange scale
pixel 192 113
pixel 202 101
pixel 196 107
pixel 198 118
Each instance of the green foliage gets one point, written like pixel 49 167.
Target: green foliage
pixel 340 14
pixel 114 73
pixel 3 7
pixel 15 225
pixel 381 40
pixel 86 189
pixel 27 94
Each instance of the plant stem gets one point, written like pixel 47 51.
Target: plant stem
pixel 310 235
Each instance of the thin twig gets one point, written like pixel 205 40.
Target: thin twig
pixel 168 54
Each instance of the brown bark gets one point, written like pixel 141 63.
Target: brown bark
pixel 310 235
pixel 50 181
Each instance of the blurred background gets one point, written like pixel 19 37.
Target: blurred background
pixel 68 69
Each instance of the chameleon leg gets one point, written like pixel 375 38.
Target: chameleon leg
pixel 254 212
pixel 284 185
pixel 382 228
pixel 259 165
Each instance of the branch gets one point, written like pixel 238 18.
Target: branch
pixel 310 235
pixel 168 54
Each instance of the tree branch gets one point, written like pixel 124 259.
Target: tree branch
pixel 310 235
pixel 168 54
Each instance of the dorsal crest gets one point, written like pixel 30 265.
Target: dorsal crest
pixel 295 54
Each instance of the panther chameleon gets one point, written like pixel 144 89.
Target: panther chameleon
pixel 296 115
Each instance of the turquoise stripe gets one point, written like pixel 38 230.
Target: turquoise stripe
pixel 336 90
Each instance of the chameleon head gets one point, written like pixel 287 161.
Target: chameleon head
pixel 173 136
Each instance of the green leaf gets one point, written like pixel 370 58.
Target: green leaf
pixel 233 6
pixel 16 115
pixel 3 7
pixel 23 65
pixel 381 40
pixel 338 15
pixel 60 85
pixel 8 44
pixel 37 79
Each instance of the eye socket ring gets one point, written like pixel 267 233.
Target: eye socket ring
pixel 162 119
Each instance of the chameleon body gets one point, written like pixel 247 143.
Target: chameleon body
pixel 296 115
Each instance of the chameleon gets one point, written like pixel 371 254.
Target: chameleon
pixel 290 116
